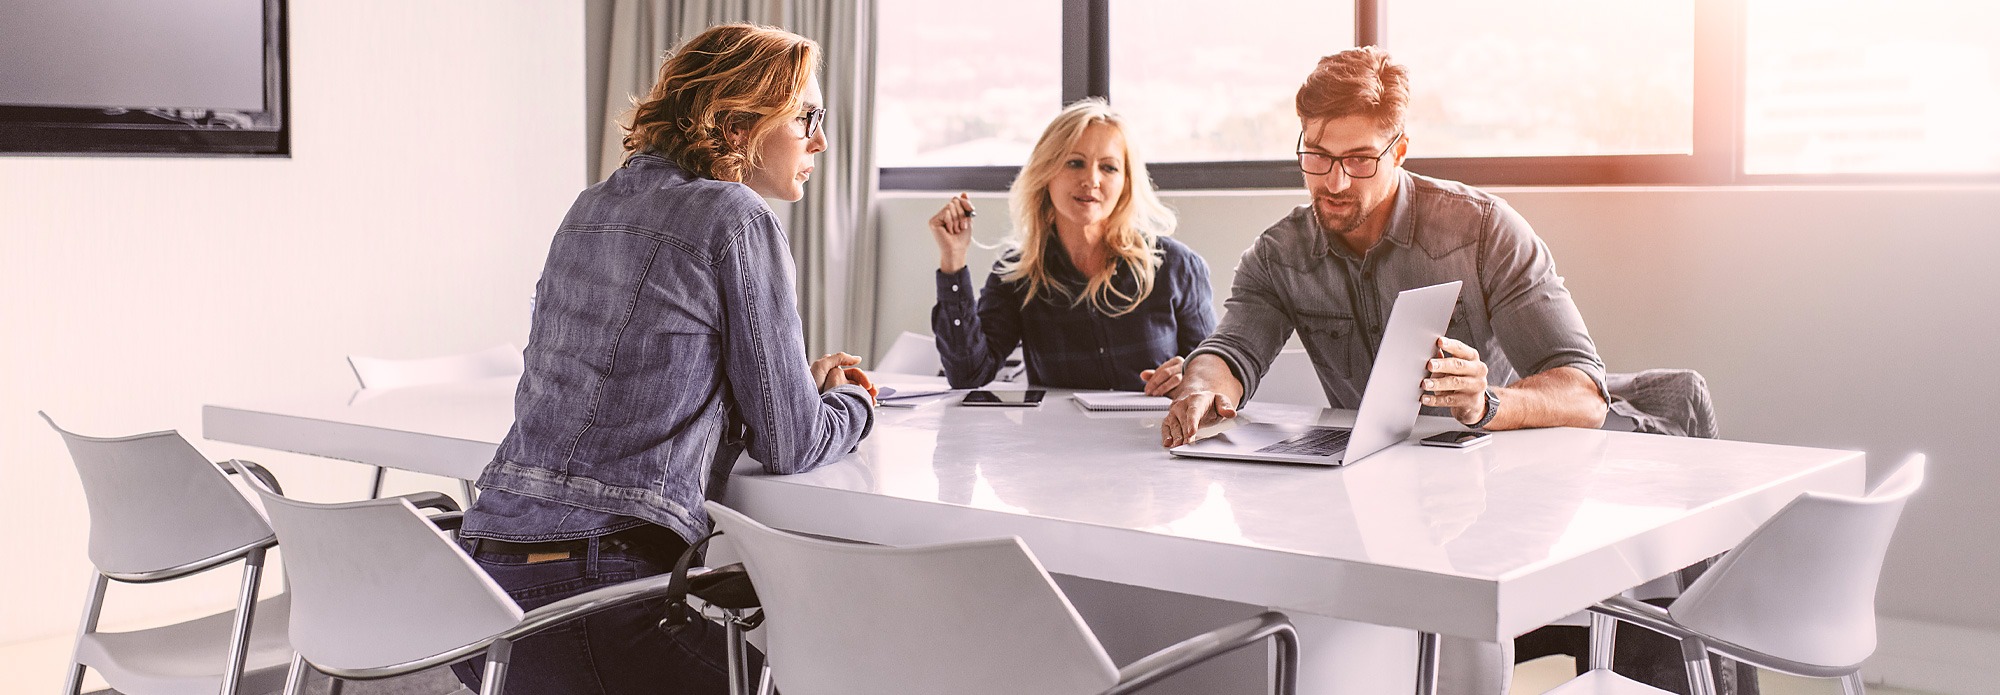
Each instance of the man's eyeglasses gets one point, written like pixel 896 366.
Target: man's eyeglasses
pixel 1357 166
pixel 813 120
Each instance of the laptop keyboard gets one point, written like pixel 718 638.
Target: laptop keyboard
pixel 1318 442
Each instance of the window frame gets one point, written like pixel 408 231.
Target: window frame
pixel 1716 159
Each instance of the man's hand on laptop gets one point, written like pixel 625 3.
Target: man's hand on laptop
pixel 1456 379
pixel 1207 394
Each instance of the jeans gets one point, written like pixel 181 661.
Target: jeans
pixel 620 650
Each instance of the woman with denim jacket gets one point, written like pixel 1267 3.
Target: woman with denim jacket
pixel 665 340
pixel 1091 286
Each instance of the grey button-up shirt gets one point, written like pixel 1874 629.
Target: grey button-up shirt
pixel 1513 307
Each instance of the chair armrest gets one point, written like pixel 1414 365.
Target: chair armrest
pixel 431 500
pixel 587 603
pixel 1646 615
pixel 448 521
pixel 1655 618
pixel 533 621
pixel 251 468
pixel 1208 645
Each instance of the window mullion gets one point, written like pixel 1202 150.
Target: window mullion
pixel 1086 54
pixel 1371 23
pixel 1719 68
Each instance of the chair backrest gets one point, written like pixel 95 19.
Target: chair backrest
pixel 965 618
pixel 1802 586
pixel 156 504
pixel 1292 380
pixel 379 373
pixel 375 585
pixel 912 353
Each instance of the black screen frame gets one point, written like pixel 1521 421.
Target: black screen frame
pixel 45 130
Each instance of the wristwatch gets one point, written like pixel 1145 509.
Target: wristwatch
pixel 1492 408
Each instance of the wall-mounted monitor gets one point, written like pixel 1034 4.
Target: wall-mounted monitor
pixel 168 77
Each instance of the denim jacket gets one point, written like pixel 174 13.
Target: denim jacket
pixel 666 336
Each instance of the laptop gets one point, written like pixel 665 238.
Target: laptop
pixel 1389 405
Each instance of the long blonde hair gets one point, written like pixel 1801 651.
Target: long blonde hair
pixel 1136 223
pixel 730 75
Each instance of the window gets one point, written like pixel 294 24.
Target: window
pixel 1201 85
pixel 964 83
pixel 1523 92
pixel 1848 88
pixel 1548 78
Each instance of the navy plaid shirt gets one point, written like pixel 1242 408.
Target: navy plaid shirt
pixel 1073 346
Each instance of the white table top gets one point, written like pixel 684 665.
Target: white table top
pixel 1485 543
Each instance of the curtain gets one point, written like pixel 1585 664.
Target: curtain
pixel 833 228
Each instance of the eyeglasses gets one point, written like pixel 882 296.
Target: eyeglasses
pixel 1357 167
pixel 814 120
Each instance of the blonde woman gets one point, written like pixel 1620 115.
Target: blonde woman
pixel 665 342
pixel 1091 285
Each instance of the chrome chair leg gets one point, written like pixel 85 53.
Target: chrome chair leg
pixel 1603 640
pixel 1286 664
pixel 1850 684
pixel 1427 663
pixel 295 677
pixel 738 663
pixel 471 492
pixel 246 610
pixel 496 667
pixel 1694 656
pixel 764 686
pixel 93 606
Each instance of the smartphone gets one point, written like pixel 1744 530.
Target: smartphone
pixel 1464 439
pixel 1019 399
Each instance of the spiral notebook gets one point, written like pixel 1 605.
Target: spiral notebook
pixel 1121 400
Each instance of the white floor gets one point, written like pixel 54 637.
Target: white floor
pixel 1538 676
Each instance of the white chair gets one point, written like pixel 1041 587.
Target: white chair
pixel 159 510
pixel 375 373
pixel 1797 596
pixel 1291 380
pixel 912 353
pixel 973 618
pixel 379 591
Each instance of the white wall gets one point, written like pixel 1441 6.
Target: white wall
pixel 435 146
pixel 1850 317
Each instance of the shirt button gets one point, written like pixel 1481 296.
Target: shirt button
pixel 954 288
pixel 955 322
pixel 1100 351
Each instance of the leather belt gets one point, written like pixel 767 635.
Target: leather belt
pixel 544 551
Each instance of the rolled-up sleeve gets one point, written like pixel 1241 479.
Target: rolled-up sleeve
pixel 1255 323
pixel 1533 315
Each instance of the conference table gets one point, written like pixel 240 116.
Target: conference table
pixel 1413 542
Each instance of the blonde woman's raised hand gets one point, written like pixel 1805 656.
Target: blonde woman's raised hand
pixel 951 227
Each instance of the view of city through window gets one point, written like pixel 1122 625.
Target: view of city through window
pixel 1851 86
pixel 1547 77
pixel 1200 85
pixel 1831 86
pixel 965 83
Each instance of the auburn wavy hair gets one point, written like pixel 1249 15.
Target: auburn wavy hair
pixel 728 76
pixel 1137 219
